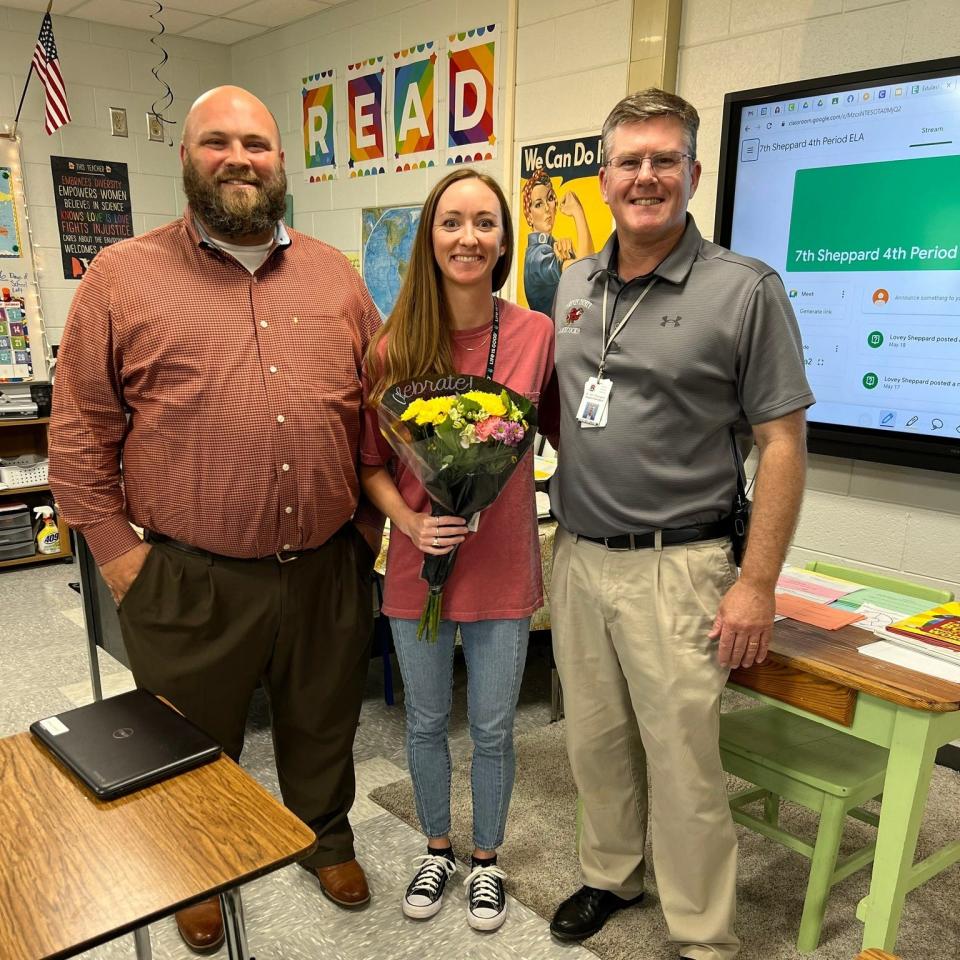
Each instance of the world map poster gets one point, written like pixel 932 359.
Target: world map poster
pixel 387 235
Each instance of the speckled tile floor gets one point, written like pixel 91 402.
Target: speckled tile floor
pixel 44 669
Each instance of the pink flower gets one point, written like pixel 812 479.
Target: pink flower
pixel 486 428
pixel 509 433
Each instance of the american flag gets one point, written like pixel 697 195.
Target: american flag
pixel 47 65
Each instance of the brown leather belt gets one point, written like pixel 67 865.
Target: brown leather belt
pixel 641 541
pixel 282 556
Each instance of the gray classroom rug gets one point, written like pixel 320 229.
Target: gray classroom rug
pixel 542 867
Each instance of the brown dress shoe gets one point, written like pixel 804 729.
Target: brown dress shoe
pixel 201 926
pixel 344 884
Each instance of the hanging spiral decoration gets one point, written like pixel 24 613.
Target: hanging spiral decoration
pixel 165 101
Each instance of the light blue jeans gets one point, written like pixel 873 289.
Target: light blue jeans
pixel 495 651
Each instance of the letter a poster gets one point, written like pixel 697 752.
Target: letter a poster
pixel 365 113
pixel 415 107
pixel 472 95
pixel 561 215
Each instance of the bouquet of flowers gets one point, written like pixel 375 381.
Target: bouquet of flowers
pixel 462 437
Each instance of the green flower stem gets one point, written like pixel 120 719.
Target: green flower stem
pixel 429 626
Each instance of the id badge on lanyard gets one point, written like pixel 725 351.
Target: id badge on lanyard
pixel 595 402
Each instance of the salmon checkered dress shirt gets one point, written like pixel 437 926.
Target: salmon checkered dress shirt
pixel 243 394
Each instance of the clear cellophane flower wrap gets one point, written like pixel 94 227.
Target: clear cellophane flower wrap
pixel 462 437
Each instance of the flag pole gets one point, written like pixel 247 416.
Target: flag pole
pixel 23 95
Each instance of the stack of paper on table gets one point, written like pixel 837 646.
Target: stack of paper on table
pixel 919 660
pixel 813 586
pixel 816 614
pixel 928 642
pixel 935 632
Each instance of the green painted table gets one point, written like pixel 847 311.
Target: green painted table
pixel 819 674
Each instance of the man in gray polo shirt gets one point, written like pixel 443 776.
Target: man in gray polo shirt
pixel 666 344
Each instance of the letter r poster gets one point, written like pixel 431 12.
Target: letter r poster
pixel 319 126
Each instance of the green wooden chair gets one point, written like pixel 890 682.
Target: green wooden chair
pixel 880 581
pixel 799 760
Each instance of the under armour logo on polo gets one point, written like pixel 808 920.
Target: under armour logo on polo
pixel 674 320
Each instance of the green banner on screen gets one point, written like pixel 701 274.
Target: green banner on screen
pixel 898 215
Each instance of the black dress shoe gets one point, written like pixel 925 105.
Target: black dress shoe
pixel 585 913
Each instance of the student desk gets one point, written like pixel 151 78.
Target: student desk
pixel 819 674
pixel 78 871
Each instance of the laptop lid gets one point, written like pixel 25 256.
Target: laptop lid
pixel 123 743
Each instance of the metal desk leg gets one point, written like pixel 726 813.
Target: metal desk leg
pixel 141 940
pixel 236 936
pixel 905 789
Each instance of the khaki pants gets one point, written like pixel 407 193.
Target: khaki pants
pixel 203 631
pixel 641 692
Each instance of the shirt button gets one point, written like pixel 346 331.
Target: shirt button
pixel 296 320
pixel 285 467
pixel 287 510
pixel 263 323
pixel 280 418
pixel 273 369
pixel 286 546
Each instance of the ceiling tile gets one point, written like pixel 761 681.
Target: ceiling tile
pixel 211 8
pixel 223 31
pixel 135 15
pixel 269 13
pixel 64 7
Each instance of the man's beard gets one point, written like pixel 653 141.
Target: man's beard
pixel 236 213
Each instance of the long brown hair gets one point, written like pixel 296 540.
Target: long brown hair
pixel 417 331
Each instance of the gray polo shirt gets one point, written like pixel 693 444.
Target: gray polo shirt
pixel 714 344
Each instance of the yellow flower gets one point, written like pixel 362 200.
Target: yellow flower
pixel 432 411
pixel 492 403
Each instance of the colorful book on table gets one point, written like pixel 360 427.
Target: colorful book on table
pixel 938 627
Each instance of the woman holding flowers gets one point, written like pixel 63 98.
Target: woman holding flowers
pixel 448 320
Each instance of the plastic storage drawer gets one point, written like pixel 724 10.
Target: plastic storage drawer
pixel 14 551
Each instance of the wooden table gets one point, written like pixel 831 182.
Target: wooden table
pixel 820 674
pixel 77 871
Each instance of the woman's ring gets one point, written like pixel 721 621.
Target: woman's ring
pixel 436 541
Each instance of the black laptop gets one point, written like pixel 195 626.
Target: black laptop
pixel 123 743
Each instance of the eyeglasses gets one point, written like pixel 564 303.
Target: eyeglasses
pixel 661 164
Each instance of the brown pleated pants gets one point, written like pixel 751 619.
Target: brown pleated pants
pixel 203 631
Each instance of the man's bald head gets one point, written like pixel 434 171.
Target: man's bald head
pixel 233 165
pixel 228 104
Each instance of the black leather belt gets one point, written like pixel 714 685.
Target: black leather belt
pixel 283 556
pixel 640 541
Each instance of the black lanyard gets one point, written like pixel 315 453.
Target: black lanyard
pixel 604 342
pixel 494 337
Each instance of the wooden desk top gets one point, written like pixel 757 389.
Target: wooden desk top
pixel 832 655
pixel 77 871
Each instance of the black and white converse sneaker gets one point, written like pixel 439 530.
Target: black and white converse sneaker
pixel 424 896
pixel 486 899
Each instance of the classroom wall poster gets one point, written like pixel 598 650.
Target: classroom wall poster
pixel 16 360
pixel 471 100
pixel 387 235
pixel 365 113
pixel 319 126
pixel 9 225
pixel 414 113
pixel 92 199
pixel 561 215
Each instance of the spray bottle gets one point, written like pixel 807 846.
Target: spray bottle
pixel 48 539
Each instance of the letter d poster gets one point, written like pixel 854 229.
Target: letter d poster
pixel 560 214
